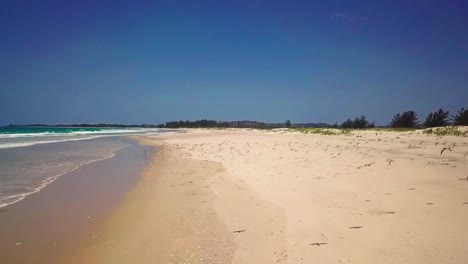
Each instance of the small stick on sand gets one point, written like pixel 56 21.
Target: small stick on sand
pixel 448 148
pixel 366 165
pixel 318 244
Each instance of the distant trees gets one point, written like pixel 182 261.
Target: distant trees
pixel 191 124
pixel 287 123
pixel 434 119
pixel 358 122
pixel 461 118
pixel 405 119
pixel 204 123
pixel 437 119
pixel 347 124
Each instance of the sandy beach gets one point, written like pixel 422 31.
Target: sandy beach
pixel 251 196
pixel 234 132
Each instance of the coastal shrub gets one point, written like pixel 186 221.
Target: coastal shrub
pixel 405 119
pixel 461 117
pixel 325 131
pixel 358 122
pixel 437 119
pixel 446 131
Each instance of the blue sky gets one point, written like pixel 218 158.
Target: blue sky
pixel 156 61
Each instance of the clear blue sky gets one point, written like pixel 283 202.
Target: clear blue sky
pixel 155 61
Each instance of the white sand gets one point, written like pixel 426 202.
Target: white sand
pixel 372 197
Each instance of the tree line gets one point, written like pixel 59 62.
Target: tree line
pixel 407 119
pixel 205 123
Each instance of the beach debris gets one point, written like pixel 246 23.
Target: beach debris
pixel 465 203
pixel 411 146
pixel 412 189
pixel 390 212
pixel 430 204
pixel 239 231
pixel 18 243
pixel 355 227
pixel 464 179
pixel 318 244
pixel 444 149
pixel 390 161
pixel 366 165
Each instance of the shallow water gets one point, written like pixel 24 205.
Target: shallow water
pixel 49 225
pixel 15 137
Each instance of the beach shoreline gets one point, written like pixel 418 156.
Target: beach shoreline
pixel 46 226
pixel 281 196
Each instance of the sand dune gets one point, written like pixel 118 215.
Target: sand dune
pixel 246 196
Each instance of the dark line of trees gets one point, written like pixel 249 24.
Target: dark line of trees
pixel 358 122
pixel 204 123
pixel 461 118
pixel 438 118
pixel 407 119
pixel 435 119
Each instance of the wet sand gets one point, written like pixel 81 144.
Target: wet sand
pixel 48 226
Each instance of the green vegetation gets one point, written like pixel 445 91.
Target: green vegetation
pixel 440 118
pixel 204 123
pixel 446 131
pixel 405 119
pixel 394 129
pixel 461 118
pixel 325 131
pixel 437 119
pixel 359 122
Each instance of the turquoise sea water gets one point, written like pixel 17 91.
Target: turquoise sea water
pixel 11 137
pixel 12 130
pixel 33 157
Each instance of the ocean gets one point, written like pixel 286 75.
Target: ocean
pixel 33 157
